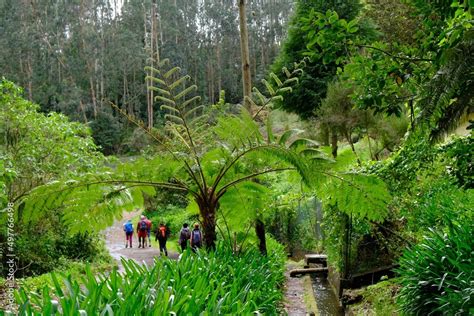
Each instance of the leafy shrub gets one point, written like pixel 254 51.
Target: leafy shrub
pixel 215 283
pixel 434 203
pixel 41 248
pixel 460 165
pixel 437 276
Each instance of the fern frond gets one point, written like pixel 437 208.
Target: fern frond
pixel 288 134
pixel 193 111
pixel 269 87
pixel 166 100
pixel 152 70
pixel 169 108
pixel 163 92
pixel 190 101
pixel 156 80
pixel 185 92
pixel 303 142
pixel 174 118
pixel 171 72
pixel 276 79
pixel 360 195
pixel 179 82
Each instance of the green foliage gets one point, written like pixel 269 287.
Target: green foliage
pixel 202 154
pixel 36 149
pixel 214 283
pixel 328 36
pixel 358 195
pixel 311 89
pixel 107 132
pixel 378 299
pixel 460 153
pixel 436 275
pixel 29 141
pixel 42 252
pixel 77 270
pixel 434 203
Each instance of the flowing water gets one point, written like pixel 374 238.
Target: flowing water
pixel 328 304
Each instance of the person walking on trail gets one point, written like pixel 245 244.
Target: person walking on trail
pixel 142 229
pixel 162 234
pixel 148 231
pixel 184 236
pixel 128 229
pixel 196 238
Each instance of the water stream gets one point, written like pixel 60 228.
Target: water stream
pixel 328 304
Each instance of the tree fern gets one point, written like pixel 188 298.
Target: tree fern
pixel 362 196
pixel 207 160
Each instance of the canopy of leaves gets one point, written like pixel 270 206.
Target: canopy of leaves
pixel 38 148
pixel 311 89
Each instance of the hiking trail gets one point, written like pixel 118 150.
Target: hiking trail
pixel 115 243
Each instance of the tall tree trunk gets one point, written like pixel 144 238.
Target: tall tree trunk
pixel 30 78
pixel 219 70
pixel 348 136
pixel 244 49
pixel 325 134
pixel 260 231
pixel 94 101
pixel 334 142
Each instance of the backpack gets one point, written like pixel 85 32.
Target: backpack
pixel 196 236
pixel 163 232
pixel 128 227
pixel 185 234
pixel 143 226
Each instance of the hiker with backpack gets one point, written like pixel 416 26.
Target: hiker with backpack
pixel 128 229
pixel 148 231
pixel 142 229
pixel 196 238
pixel 184 236
pixel 162 234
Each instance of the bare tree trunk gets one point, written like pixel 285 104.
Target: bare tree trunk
pixel 30 79
pixel 244 49
pixel 219 70
pixel 81 105
pixel 94 101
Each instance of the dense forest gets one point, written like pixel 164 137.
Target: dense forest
pixel 74 57
pixel 275 128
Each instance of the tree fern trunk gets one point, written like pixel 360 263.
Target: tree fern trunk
pixel 208 214
pixel 260 231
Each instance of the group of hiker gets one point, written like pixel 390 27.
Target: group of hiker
pixel 162 233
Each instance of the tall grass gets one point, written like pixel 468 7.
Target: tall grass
pixel 216 283
pixel 437 275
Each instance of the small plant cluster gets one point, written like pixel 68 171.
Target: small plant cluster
pixel 215 283
pixel 437 276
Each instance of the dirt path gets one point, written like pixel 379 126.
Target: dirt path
pixel 115 243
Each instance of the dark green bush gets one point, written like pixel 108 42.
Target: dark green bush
pixel 218 283
pixel 437 275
